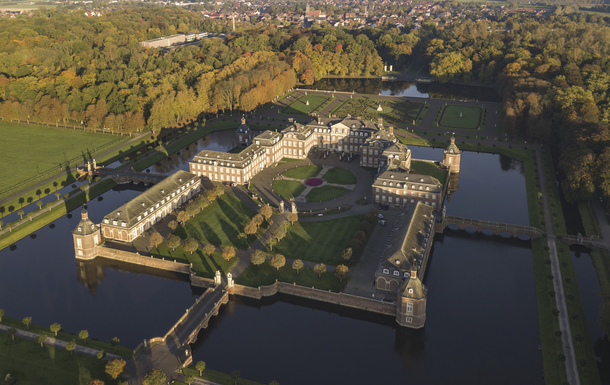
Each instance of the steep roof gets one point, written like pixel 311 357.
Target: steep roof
pixel 130 211
pixel 85 225
pixel 398 179
pixel 452 148
pixel 413 288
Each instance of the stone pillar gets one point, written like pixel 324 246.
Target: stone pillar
pixel 230 283
pixel 94 164
pixel 391 67
pixel 217 278
pixel 89 167
pixel 281 206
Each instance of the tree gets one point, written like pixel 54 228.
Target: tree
pixel 279 233
pixel 243 237
pixel 258 220
pixel 41 338
pixel 155 239
pixel 115 367
pixel 274 383
pixel 1 314
pixel 272 242
pixel 297 265
pixel 250 228
pixel 55 328
pixel 257 257
pixel 293 217
pixel 20 212
pixel 96 382
pixel 278 261
pixel 235 376
pixel 191 245
pixel 1 224
pixel 200 365
pixel 189 379
pixel 174 241
pixel 154 377
pixel 341 272
pixel 39 204
pixel 12 332
pixel 346 254
pixel 83 335
pixel 101 354
pixel 27 321
pixel 70 346
pixel 208 249
pixel 114 342
pixel 319 269
pixel 182 217
pixel 192 209
pixel 579 338
pixel 266 212
pixel 562 358
pixel 228 253
pixel 173 225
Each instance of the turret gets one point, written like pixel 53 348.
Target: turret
pixel 86 236
pixel 451 156
pixel 411 302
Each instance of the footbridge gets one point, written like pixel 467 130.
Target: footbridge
pixel 125 176
pixel 496 227
pixel 593 242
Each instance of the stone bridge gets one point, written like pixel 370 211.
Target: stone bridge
pixel 590 242
pixel 496 227
pixel 122 177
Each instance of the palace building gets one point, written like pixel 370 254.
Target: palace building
pixel 130 220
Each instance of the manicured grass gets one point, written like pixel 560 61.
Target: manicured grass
pixel 393 111
pixel 203 265
pixel 320 241
pixel 266 274
pixel 220 223
pixel 217 377
pixel 325 193
pixel 288 188
pixel 287 160
pixel 429 168
pixel 302 172
pixel 300 107
pixel 31 365
pixel 30 149
pixel 64 336
pixel 339 175
pixel 472 117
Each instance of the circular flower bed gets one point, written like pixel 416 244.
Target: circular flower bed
pixel 313 182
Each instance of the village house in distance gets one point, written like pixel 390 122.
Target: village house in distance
pixel 420 196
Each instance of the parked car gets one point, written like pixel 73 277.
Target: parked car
pixel 380 207
pixel 379 216
pixel 386 207
pixel 382 222
pixel 227 184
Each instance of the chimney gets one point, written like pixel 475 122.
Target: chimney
pixel 391 130
pixel 319 120
pixel 414 272
pixel 380 122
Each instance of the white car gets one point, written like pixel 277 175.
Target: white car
pixel 382 222
pixel 379 216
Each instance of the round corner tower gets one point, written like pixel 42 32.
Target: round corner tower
pixel 86 236
pixel 411 302
pixel 451 156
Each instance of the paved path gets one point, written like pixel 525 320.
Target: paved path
pixel 564 322
pixel 59 343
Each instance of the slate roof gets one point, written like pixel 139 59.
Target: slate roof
pixel 399 178
pixel 85 226
pixel 453 147
pixel 130 211
pixel 419 290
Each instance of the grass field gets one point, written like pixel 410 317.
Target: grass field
pixel 288 188
pixel 300 106
pixel 27 150
pixel 302 172
pixel 216 377
pixel 31 365
pixel 266 275
pixel 320 241
pixel 339 175
pixel 325 193
pixel 393 111
pixel 203 265
pixel 220 223
pixel 429 168
pixel 471 117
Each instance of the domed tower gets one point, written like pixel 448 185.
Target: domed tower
pixel 411 302
pixel 451 156
pixel 86 236
pixel 244 133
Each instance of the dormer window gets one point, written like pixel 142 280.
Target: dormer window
pixel 406 274
pixel 124 224
pixel 410 291
pixel 118 213
pixel 384 183
pixel 421 179
pixel 386 271
pixel 427 188
pixel 106 220
pixel 392 176
pixel 79 229
pixel 114 222
pixel 139 217
pixel 390 183
pixel 396 273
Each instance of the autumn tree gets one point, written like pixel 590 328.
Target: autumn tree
pixel 41 338
pixel 266 212
pixel 278 261
pixel 27 321
pixel 250 228
pixel 208 249
pixel 70 346
pixel 298 265
pixel 258 257
pixel 346 254
pixel 115 367
pixel 341 272
pixel 228 253
pixel 182 217
pixel 173 225
pixel 293 217
pixel 83 335
pixel 155 239
pixel 257 220
pixel 55 328
pixel 174 241
pixel 200 366
pixel 191 245
pixel 154 377
pixel 319 269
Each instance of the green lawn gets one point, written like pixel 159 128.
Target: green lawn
pixel 203 265
pixel 29 149
pixel 471 118
pixel 31 365
pixel 300 106
pixel 266 274
pixel 288 188
pixel 216 377
pixel 302 172
pixel 220 223
pixel 429 168
pixel 325 193
pixel 339 175
pixel 393 111
pixel 320 241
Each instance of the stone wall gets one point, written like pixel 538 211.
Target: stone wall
pixel 318 295
pixel 201 282
pixel 137 259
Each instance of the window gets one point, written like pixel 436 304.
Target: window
pixel 124 224
pixel 406 274
pixel 139 217
pixel 433 197
pixel 410 291
pixel 80 252
pixel 377 197
pixel 79 243
pixel 105 220
pixel 409 308
pixel 95 239
pixel 396 272
pixel 409 320
pixel 386 271
pixel 114 223
pixel 427 196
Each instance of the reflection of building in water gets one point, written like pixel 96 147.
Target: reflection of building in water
pixel 90 274
pixel 453 183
